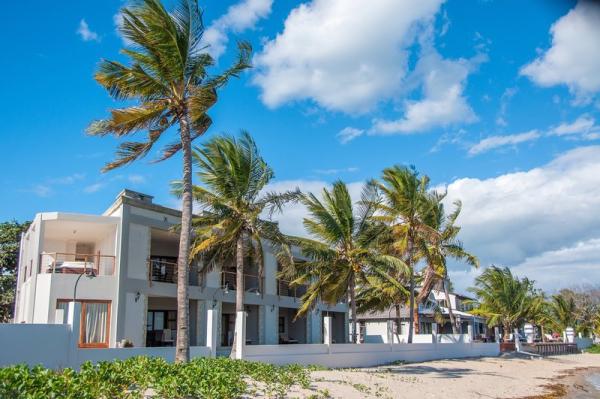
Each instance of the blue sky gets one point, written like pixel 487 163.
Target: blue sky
pixel 497 101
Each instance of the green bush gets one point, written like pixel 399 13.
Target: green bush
pixel 593 349
pixel 131 378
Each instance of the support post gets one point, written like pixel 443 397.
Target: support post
pixel 327 332
pixel 497 334
pixel 529 332
pixel 570 335
pixel 211 331
pixel 240 331
pixel 434 334
pixel 390 332
pixel 470 332
pixel 74 322
pixel 517 340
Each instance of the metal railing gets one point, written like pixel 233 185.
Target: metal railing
pixel 550 348
pixel 74 263
pixel 251 281
pixel 284 288
pixel 162 271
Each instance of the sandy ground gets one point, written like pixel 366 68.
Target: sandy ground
pixel 505 377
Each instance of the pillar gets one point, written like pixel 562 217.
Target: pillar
pixel 390 331
pixel 517 340
pixel 327 330
pixel 497 334
pixel 240 334
pixel 470 332
pixel 434 333
pixel 212 338
pixel 271 324
pixel 74 322
pixel 570 335
pixel 529 332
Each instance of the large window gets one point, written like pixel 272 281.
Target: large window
pixel 161 327
pixel 95 322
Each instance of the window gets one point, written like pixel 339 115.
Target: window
pixel 425 328
pixel 281 325
pixel 95 322
pixel 161 327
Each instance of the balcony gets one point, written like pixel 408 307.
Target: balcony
pixel 251 281
pixel 284 288
pixel 162 270
pixel 77 263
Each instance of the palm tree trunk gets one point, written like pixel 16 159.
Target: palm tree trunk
pixel 182 350
pixel 449 304
pixel 506 328
pixel 542 333
pixel 353 307
pixel 411 313
pixel 399 321
pixel 239 287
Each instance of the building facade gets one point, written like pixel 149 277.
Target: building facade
pixel 122 267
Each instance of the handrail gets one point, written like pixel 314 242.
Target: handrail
pixel 95 259
pixel 281 283
pixel 231 282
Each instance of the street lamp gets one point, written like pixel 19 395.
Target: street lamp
pixel 225 289
pixel 89 275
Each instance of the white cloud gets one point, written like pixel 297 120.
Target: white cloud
pixel 504 99
pixel 574 57
pixel 41 190
pixel 136 179
pixel 443 102
pixel 584 127
pixel 85 33
pixel 340 53
pixel 335 171
pixel 348 134
pixel 239 17
pixel 580 261
pixel 93 188
pixel 67 180
pixel 519 218
pixel 492 142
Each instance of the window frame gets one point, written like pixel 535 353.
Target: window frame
pixel 83 303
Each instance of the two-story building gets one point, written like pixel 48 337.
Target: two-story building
pixel 122 267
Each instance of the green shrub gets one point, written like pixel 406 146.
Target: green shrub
pixel 220 378
pixel 593 349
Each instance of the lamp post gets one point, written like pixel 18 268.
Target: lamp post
pixel 90 275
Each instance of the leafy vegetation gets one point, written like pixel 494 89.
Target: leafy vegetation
pixel 219 378
pixel 10 235
pixel 593 349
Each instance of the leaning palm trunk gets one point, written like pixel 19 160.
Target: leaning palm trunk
pixel 411 315
pixel 239 289
pixel 450 312
pixel 399 321
pixel 355 338
pixel 182 350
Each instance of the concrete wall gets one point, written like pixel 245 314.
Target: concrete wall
pixel 365 355
pixel 46 344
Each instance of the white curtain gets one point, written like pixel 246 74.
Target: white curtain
pixel 95 322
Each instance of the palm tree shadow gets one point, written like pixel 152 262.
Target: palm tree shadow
pixel 437 372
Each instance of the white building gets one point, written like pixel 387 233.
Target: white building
pixel 131 294
pixel 380 327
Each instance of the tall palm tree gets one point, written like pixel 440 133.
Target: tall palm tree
pixel 562 312
pixel 539 313
pixel 343 249
pixel 168 78
pixel 444 245
pixel 406 207
pixel 233 201
pixel 503 299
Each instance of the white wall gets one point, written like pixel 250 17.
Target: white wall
pixel 365 355
pixel 46 344
pixel 138 251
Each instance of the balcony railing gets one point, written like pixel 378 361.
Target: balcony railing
pixel 162 271
pixel 284 288
pixel 74 263
pixel 251 281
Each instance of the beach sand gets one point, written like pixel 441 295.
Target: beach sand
pixel 503 377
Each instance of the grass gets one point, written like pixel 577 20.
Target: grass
pixel 593 349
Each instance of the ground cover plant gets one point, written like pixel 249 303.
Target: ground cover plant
pixel 138 377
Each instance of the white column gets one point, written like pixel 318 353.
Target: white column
pixel 470 332
pixel 497 334
pixel 74 321
pixel 212 339
pixel 517 340
pixel 271 327
pixel 327 330
pixel 528 332
pixel 434 333
pixel 240 334
pixel 570 335
pixel 390 331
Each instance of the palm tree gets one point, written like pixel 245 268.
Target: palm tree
pixel 168 79
pixel 407 208
pixel 444 245
pixel 233 200
pixel 562 312
pixel 539 314
pixel 343 249
pixel 503 298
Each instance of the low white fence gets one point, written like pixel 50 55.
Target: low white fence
pixel 365 355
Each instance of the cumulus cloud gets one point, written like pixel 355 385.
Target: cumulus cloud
pixel 348 134
pixel 516 217
pixel 341 54
pixel 86 33
pixel 584 128
pixel 443 102
pixel 492 142
pixel 239 17
pixel 574 57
